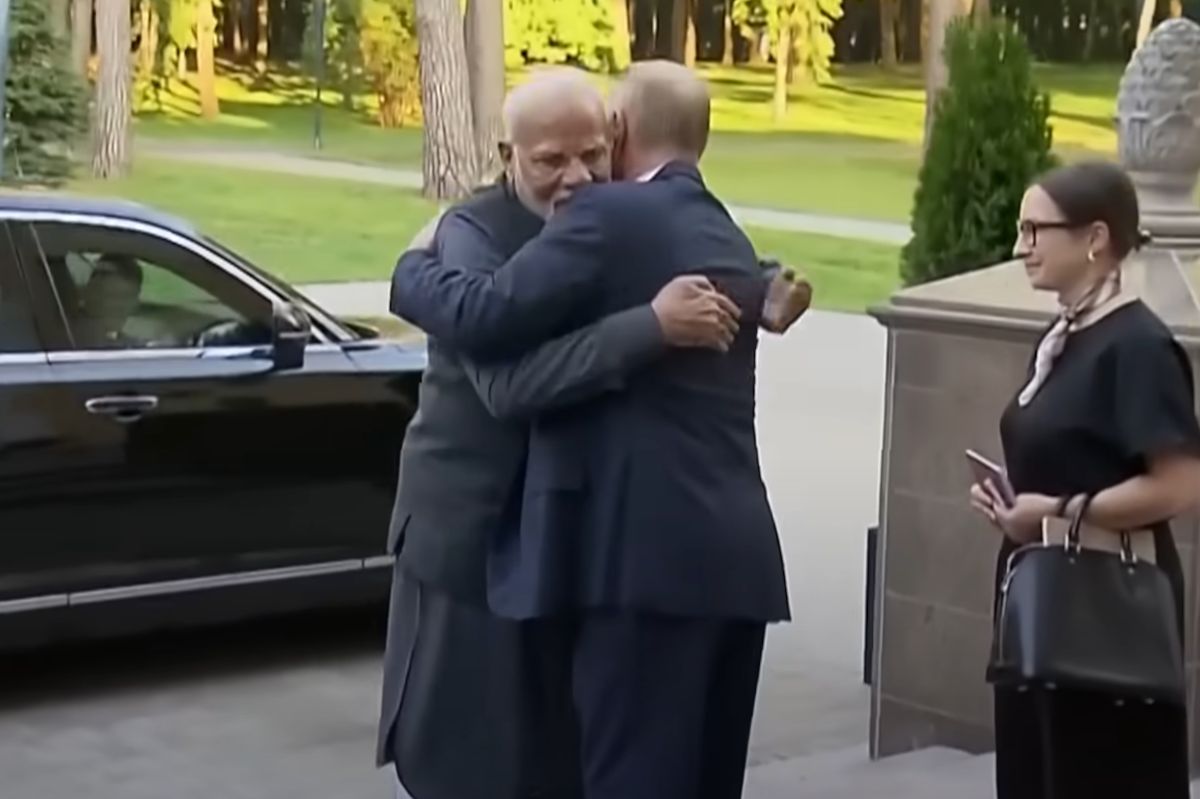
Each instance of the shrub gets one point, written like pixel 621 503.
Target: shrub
pixel 990 139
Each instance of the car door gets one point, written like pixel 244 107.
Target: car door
pixel 195 456
pixel 38 544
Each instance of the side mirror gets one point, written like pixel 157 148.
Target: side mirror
pixel 291 332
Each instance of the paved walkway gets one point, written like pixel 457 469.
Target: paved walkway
pixel 309 166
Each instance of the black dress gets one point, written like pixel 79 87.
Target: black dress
pixel 1120 393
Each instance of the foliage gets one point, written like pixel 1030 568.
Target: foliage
pixel 387 36
pixel 811 22
pixel 990 139
pixel 343 47
pixel 576 32
pixel 372 42
pixel 46 102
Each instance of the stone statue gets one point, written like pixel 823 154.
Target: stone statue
pixel 1158 129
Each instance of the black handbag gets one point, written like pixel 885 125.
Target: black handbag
pixel 1087 619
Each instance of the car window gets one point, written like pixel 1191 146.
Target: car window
pixel 18 332
pixel 121 289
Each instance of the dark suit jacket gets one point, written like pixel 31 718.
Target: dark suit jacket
pixel 464 450
pixel 649 498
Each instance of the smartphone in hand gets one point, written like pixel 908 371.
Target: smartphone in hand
pixel 985 470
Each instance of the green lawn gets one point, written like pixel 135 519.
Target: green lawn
pixel 315 230
pixel 850 147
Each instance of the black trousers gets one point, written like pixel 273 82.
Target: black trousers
pixel 664 704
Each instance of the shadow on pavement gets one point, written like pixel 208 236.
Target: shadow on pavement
pixel 160 660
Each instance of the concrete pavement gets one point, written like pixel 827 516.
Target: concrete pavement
pixel 291 711
pixel 307 166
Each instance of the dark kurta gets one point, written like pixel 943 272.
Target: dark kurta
pixel 1120 394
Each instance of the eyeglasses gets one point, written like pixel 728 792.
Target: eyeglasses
pixel 1028 229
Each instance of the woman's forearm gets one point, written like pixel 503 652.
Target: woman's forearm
pixel 1147 499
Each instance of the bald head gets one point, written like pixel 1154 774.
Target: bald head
pixel 552 93
pixel 665 106
pixel 556 137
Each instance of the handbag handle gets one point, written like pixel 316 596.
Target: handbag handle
pixel 1072 540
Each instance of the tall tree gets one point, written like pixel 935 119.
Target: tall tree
pixel 688 7
pixel 485 70
pixel 206 77
pixel 783 57
pixel 727 50
pixel 81 35
pixel 941 14
pixel 888 11
pixel 59 13
pixel 110 155
pixel 982 9
pixel 262 35
pixel 621 42
pixel 449 162
pixel 147 35
pixel 1146 21
pixel 46 102
pixel 645 14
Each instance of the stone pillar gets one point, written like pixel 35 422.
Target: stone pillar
pixel 957 351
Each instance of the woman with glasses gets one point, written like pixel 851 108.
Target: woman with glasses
pixel 1106 413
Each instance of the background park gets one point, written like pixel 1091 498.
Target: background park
pixel 820 110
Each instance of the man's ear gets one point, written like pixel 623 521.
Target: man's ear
pixel 506 153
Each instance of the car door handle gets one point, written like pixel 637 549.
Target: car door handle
pixel 122 408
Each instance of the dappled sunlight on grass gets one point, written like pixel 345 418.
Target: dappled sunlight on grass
pixel 849 147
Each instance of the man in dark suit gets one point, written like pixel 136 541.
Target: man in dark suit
pixel 469 699
pixel 644 530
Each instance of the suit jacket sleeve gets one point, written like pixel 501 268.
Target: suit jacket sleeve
pixel 571 368
pixel 567 369
pixel 505 313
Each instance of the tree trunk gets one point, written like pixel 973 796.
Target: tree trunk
pixel 941 14
pixel 727 51
pixel 110 157
pixel 622 46
pixel 261 36
pixel 887 32
pixel 231 23
pixel 81 35
pixel 60 11
pixel 1146 22
pixel 145 55
pixel 485 70
pixel 783 49
pixel 689 30
pixel 449 162
pixel 982 9
pixel 679 28
pixel 206 76
pixel 665 29
pixel 1176 9
pixel 644 14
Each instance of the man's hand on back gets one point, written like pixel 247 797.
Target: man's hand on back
pixel 692 313
pixel 788 296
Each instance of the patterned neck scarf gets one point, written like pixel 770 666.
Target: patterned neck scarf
pixel 1069 320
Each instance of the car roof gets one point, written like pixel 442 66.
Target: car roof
pixel 92 206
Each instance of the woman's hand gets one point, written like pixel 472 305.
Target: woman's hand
pixel 1022 522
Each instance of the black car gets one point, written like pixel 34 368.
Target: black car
pixel 183 438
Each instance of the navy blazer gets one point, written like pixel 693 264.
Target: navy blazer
pixel 651 498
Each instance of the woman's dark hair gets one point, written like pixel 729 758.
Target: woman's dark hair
pixel 1098 191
